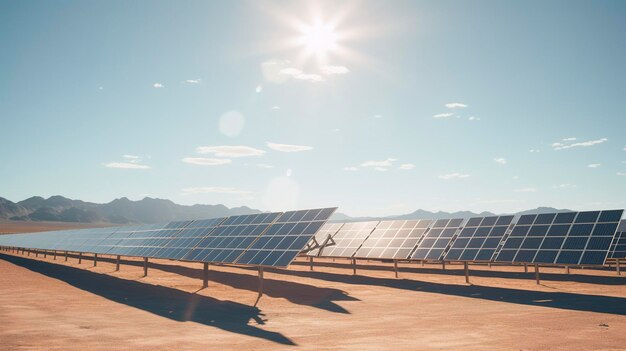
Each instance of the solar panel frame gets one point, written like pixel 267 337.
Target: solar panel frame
pixel 328 229
pixel 393 239
pixel 479 239
pixel 437 239
pixel 618 247
pixel 349 238
pixel 568 238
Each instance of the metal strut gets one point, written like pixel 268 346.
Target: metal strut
pixel 466 266
pixel 205 275
pixel 145 266
pixel 537 273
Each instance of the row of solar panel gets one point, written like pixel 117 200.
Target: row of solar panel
pixel 266 239
pixel 569 238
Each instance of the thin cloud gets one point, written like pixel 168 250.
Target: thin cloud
pixel 214 190
pixel 621 174
pixel 380 169
pixel 534 150
pixel 328 70
pixel 378 116
pixel 564 186
pixel 298 74
pixel 230 151
pixel 125 165
pixel 406 166
pixel 569 139
pixel 275 107
pixel 158 85
pixel 500 160
pixel 443 115
pixel 455 105
pixel 567 144
pixel 453 176
pixel 201 161
pixel 193 81
pixel 384 163
pixel 525 190
pixel 472 118
pixel 287 147
pixel 263 165
pixel 259 89
pixel 351 169
pixel 594 165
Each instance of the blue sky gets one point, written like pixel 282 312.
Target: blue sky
pixel 376 107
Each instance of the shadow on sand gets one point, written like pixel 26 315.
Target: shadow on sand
pixel 561 300
pixel 165 302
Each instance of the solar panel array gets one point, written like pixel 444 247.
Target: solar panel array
pixel 618 247
pixel 437 239
pixel 349 238
pixel 569 238
pixel 217 240
pixel 393 239
pixel 479 239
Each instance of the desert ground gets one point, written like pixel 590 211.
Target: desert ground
pixel 57 305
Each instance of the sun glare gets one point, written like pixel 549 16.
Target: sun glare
pixel 319 38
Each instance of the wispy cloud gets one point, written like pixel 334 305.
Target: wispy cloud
pixel 125 165
pixel 298 74
pixel 443 115
pixel 500 160
pixel 453 176
pixel 472 118
pixel 568 144
pixel 287 147
pixel 230 151
pixel 215 190
pixel 352 169
pixel 384 163
pixel 132 158
pixel 525 190
pixel 594 165
pixel 621 174
pixel 193 81
pixel 328 70
pixel 158 85
pixel 263 165
pixel 275 107
pixel 259 88
pixel 201 161
pixel 455 105
pixel 534 150
pixel 380 169
pixel 564 186
pixel 406 166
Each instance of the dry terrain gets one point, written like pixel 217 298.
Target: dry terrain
pixel 57 305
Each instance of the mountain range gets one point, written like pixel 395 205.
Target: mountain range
pixel 150 210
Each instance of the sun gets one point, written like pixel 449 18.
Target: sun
pixel 319 38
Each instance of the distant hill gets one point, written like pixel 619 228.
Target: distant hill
pixel 119 211
pixel 423 214
pixel 149 210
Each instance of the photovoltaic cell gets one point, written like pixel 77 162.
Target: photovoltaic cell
pixel 349 238
pixel 479 239
pixel 618 247
pixel 437 239
pixel 570 238
pixel 393 239
pixel 283 241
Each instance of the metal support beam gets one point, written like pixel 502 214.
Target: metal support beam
pixel 117 263
pixel 260 285
pixel 617 267
pixel 525 268
pixel 395 267
pixel 443 265
pixel 65 256
pixel 95 259
pixel 566 269
pixel 80 257
pixel 466 266
pixel 27 252
pixel 537 273
pixel 205 275
pixel 311 263
pixel 54 252
pixel 36 253
pixel 423 262
pixel 45 253
pixel 354 266
pixel 145 266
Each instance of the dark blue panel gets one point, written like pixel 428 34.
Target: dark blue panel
pixel 611 216
pixel 587 217
pixel 569 257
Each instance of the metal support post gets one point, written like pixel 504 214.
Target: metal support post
pixel 466 266
pixel 145 266
pixel 443 265
pixel 117 263
pixel 525 268
pixel 395 267
pixel 537 273
pixel 617 267
pixel 65 256
pixel 205 275
pixel 354 266
pixel 566 269
pixel 311 263
pixel 95 259
pixel 80 257
pixel 54 257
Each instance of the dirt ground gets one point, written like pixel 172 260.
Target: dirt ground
pixel 57 305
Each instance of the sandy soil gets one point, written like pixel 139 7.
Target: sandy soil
pixel 9 227
pixel 57 305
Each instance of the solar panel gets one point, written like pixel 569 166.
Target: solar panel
pixel 328 229
pixel 569 238
pixel 187 238
pixel 437 239
pixel 618 247
pixel 227 242
pixel 393 239
pixel 283 241
pixel 349 238
pixel 479 239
